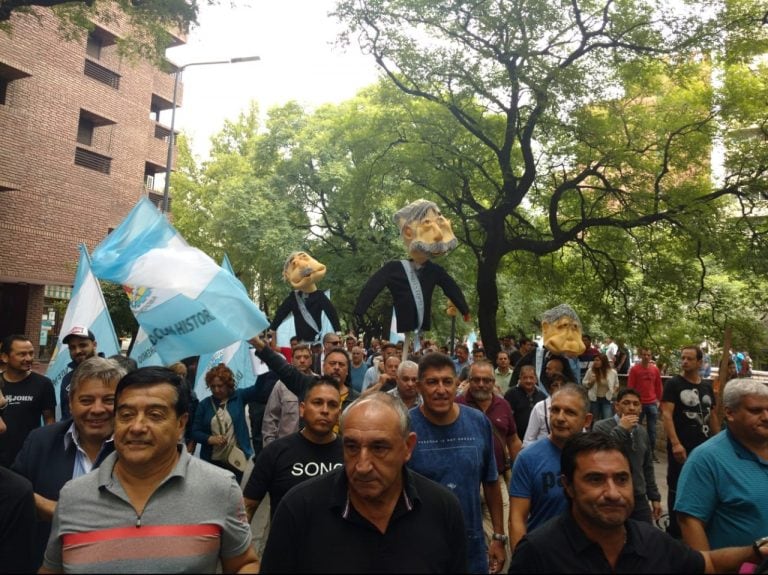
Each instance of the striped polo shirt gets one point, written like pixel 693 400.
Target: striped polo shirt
pixel 193 518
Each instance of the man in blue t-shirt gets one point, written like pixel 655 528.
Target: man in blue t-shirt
pixel 455 448
pixel 722 500
pixel 535 492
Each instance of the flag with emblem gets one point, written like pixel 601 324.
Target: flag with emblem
pixel 184 301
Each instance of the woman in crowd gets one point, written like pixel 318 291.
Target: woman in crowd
pixel 220 425
pixel 602 383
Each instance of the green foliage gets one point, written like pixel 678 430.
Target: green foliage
pixel 148 20
pixel 581 133
pixel 119 309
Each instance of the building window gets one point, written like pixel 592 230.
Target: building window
pixel 85 128
pixel 93 46
pixel 92 160
pixel 8 74
pixel 102 74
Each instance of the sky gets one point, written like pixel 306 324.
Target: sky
pixel 299 61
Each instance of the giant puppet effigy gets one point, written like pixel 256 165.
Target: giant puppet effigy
pixel 305 302
pixel 426 234
pixel 562 337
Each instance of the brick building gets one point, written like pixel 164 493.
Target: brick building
pixel 81 142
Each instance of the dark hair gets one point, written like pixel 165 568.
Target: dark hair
pixel 127 363
pixel 388 345
pixel 156 375
pixel 341 350
pixel 583 443
pixel 9 339
pixel 697 349
pixel 345 353
pixel 322 380
pixel 627 391
pixel 435 361
pixel 461 346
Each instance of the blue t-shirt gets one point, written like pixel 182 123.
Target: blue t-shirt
pixel 726 486
pixel 459 456
pixel 536 476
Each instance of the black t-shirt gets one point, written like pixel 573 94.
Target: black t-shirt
pixel 693 408
pixel 522 405
pixel 27 399
pixel 288 461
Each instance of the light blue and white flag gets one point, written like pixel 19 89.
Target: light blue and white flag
pixel 394 335
pixel 143 352
pixel 471 339
pixel 87 309
pixel 238 356
pixel 186 303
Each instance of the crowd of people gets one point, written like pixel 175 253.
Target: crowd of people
pixel 379 459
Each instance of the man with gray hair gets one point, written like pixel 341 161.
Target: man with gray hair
pixel 406 390
pixel 54 454
pixel 372 515
pixel 722 500
pixel 426 234
pixel 535 492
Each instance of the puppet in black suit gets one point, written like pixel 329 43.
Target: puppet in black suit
pixel 303 272
pixel 426 234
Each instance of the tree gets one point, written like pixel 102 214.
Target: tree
pixel 148 20
pixel 595 121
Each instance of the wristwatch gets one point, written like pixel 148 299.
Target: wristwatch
pixel 504 538
pixel 758 544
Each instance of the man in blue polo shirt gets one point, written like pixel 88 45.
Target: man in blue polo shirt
pixel 722 500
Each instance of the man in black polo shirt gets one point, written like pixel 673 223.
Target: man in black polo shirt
pixel 375 515
pixel 596 535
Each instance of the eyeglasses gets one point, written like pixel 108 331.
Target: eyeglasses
pixel 482 380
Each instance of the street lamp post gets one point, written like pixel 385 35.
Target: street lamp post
pixel 172 137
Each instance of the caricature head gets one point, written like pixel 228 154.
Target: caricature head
pixel 303 271
pixel 424 230
pixel 561 330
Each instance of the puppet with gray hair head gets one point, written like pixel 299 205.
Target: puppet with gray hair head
pixel 305 302
pixel 561 332
pixel 426 234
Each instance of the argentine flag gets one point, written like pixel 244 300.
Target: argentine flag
pixel 186 303
pixel 238 356
pixel 143 352
pixel 394 335
pixel 88 309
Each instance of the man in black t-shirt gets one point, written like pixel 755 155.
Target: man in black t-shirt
pixel 689 418
pixel 30 396
pixel 292 459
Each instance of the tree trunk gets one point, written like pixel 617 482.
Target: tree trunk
pixel 488 306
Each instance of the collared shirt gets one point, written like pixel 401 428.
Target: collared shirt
pixel 83 463
pixel 723 484
pixel 503 379
pixel 194 517
pixel 317 529
pixel 396 393
pixel 647 550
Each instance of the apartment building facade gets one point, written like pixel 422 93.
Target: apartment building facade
pixel 80 143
